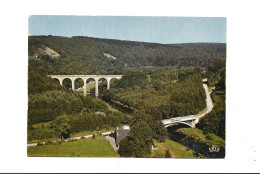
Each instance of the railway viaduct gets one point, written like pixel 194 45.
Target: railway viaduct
pixel 85 78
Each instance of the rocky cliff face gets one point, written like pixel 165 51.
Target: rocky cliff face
pixel 48 51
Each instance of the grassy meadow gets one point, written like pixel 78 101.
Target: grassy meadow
pixel 98 147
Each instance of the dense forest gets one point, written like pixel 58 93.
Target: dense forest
pixel 85 55
pixel 68 113
pixel 174 93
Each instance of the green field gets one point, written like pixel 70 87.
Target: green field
pixel 210 139
pixel 177 150
pixel 98 147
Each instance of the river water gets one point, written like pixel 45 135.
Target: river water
pixel 124 110
pixel 121 108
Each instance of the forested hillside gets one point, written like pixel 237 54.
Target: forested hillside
pixel 159 81
pixel 85 55
pixel 173 92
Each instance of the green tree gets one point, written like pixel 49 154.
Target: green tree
pixel 127 146
pixel 48 105
pixel 138 143
pixel 61 126
pixel 159 132
pixel 140 114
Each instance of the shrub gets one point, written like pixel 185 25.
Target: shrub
pixel 168 154
pixel 71 140
pixel 208 137
pixel 112 135
pixel 158 154
pixel 76 154
pixel 58 142
pixel 49 142
pixel 40 144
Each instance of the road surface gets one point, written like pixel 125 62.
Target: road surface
pixel 73 138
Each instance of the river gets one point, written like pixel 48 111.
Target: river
pixel 124 110
pixel 121 108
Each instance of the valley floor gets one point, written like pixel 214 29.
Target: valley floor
pixel 100 147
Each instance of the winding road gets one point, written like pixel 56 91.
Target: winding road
pixel 191 120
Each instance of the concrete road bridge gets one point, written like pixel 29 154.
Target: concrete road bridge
pixel 191 120
pixel 85 78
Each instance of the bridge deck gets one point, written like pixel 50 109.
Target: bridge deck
pixel 69 76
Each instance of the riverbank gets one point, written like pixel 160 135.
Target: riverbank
pixel 120 107
pixel 121 104
pixel 176 150
pixel 198 135
pixel 208 145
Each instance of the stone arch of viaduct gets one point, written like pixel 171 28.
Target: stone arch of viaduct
pixel 85 78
